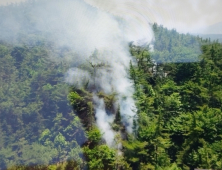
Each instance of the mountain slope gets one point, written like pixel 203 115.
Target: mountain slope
pixel 214 29
pixel 213 37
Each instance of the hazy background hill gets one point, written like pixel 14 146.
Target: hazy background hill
pixel 212 36
pixel 214 29
pixel 214 32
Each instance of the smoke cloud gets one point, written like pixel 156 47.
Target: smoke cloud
pixel 103 120
pixel 77 77
pixel 82 27
pixel 185 16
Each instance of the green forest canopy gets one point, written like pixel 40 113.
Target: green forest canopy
pixel 47 124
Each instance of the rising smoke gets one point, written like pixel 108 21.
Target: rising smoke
pixel 83 28
pixel 118 31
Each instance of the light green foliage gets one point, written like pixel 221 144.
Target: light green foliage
pixel 94 135
pixel 52 167
pixel 60 140
pixel 100 157
pixel 74 98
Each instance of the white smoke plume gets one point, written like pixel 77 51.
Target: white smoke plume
pixel 83 27
pixel 103 120
pixel 77 77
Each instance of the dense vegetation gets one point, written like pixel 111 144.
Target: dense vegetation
pixel 48 124
pixel 36 124
pixel 179 108
pixel 178 123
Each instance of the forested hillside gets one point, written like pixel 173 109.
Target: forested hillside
pixel 178 122
pixel 37 125
pixel 46 123
pixel 179 110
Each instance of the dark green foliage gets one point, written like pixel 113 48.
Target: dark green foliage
pixel 94 135
pixel 179 105
pixel 37 126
